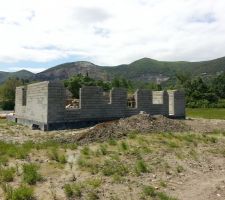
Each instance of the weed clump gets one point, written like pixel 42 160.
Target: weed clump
pixel 30 174
pixel 23 192
pixel 56 156
pixel 86 151
pixel 87 187
pixel 112 167
pixel 88 165
pixel 180 169
pixel 124 146
pixel 112 142
pixel 149 191
pixel 141 167
pixel 7 175
pixel 68 190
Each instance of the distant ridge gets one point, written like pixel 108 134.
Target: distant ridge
pixel 20 74
pixel 145 69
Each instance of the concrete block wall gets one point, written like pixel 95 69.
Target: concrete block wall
pixel 45 104
pixel 143 100
pixel 177 103
pixel 160 103
pixel 19 108
pixel 36 102
pixel 56 102
pixel 93 105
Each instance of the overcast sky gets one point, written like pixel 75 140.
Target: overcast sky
pixel 37 34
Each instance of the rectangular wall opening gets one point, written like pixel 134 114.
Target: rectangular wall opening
pixel 71 102
pixel 24 97
pixel 131 101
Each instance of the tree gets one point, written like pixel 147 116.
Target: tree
pixel 182 78
pixel 199 93
pixel 76 82
pixel 218 85
pixel 7 92
pixel 116 82
pixel 151 86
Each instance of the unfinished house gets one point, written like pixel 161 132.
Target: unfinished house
pixel 43 105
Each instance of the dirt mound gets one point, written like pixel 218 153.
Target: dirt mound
pixel 140 123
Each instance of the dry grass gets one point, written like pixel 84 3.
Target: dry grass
pixel 139 165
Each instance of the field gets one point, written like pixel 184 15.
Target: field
pixel 207 113
pixel 166 165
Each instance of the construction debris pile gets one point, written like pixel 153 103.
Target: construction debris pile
pixel 141 123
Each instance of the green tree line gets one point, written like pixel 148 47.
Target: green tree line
pixel 199 92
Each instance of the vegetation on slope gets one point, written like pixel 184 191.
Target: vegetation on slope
pixel 137 166
pixel 145 69
pixel 22 74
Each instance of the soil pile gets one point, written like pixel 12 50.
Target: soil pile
pixel 141 123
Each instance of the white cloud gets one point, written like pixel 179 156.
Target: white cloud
pixel 111 32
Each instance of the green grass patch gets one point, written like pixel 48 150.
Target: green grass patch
pixel 149 191
pixel 7 174
pixel 21 193
pixel 57 156
pixel 112 167
pixel 207 113
pixel 87 188
pixel 30 174
pixel 141 167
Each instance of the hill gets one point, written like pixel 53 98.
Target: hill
pixel 66 70
pixel 145 69
pixel 23 74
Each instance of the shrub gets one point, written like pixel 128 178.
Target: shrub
pixel 7 105
pixel 30 174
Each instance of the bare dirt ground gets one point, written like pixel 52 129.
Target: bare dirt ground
pixel 205 125
pixel 186 160
pixel 116 129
